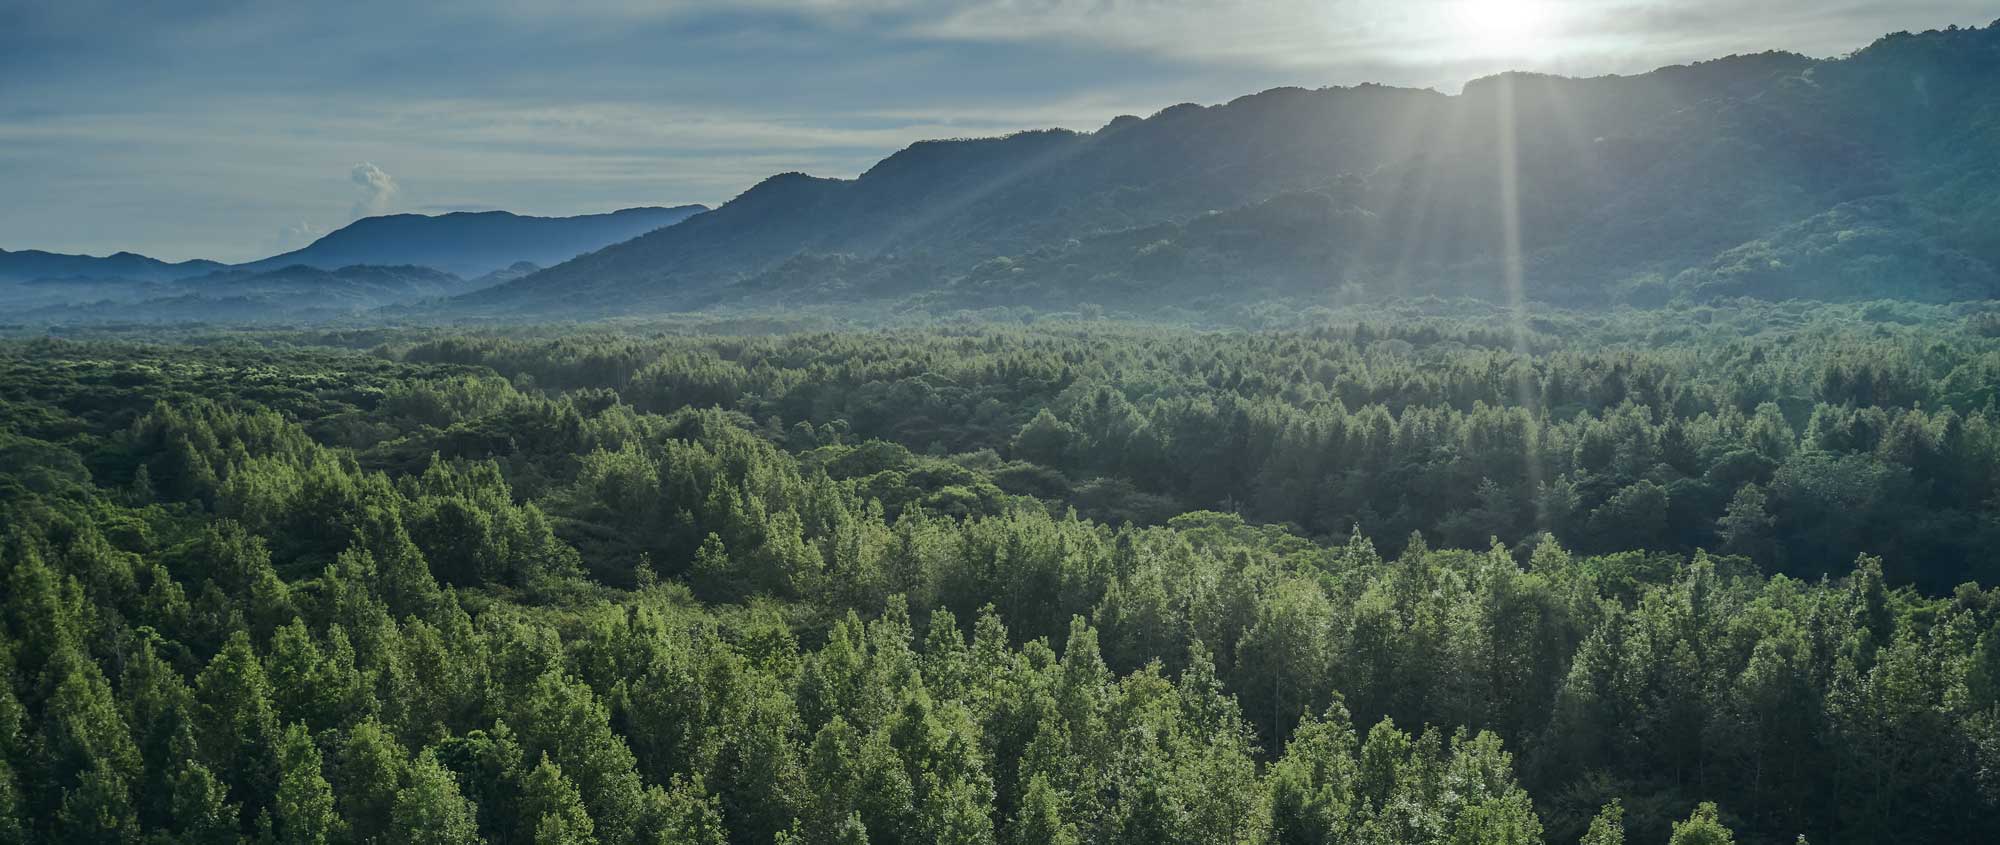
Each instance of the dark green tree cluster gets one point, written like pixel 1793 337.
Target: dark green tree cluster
pixel 352 598
pixel 1847 430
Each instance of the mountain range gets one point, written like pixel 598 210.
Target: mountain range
pixel 370 263
pixel 1772 175
pixel 33 264
pixel 473 243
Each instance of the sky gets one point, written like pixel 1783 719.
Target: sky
pixel 236 129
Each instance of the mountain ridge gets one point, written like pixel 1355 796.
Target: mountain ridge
pixel 1626 185
pixel 371 262
pixel 473 243
pixel 34 264
pixel 332 248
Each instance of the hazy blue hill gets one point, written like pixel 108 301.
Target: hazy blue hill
pixel 471 244
pixel 33 264
pixel 1631 189
pixel 773 218
pixel 351 285
pixel 505 274
pixel 296 292
pixel 371 262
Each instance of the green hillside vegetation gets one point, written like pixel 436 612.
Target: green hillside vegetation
pixel 1379 575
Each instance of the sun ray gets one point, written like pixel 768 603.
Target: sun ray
pixel 1502 28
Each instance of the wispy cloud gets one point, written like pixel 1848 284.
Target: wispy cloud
pixel 293 236
pixel 378 189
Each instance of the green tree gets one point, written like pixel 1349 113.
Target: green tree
pixel 564 720
pixel 491 773
pixel 370 771
pixel 302 813
pixel 238 731
pixel 99 809
pixel 954 813
pixel 1745 527
pixel 552 808
pixel 1634 517
pixel 1702 828
pixel 1312 783
pixel 83 736
pixel 13 825
pixel 1039 820
pixel 685 814
pixel 201 811
pixel 1283 660
pixel 1608 828
pixel 1045 440
pixel 430 810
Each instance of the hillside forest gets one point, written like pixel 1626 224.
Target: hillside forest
pixel 1416 573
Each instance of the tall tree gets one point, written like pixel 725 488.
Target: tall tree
pixel 238 730
pixel 1702 827
pixel 552 808
pixel 1608 828
pixel 302 813
pixel 430 810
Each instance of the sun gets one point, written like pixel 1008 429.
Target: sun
pixel 1503 27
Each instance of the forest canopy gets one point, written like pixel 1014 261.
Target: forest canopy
pixel 1408 574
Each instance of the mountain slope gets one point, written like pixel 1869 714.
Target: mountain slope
pixel 34 264
pixel 1623 188
pixel 471 244
pixel 359 285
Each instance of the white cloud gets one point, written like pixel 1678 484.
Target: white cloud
pixel 1439 41
pixel 379 189
pixel 294 236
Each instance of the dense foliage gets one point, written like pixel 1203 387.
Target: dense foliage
pixel 1387 578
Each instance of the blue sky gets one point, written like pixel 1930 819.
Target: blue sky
pixel 231 129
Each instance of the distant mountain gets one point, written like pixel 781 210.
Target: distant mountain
pixel 472 244
pixel 296 292
pixel 508 273
pixel 360 285
pixel 33 264
pixel 372 262
pixel 1771 175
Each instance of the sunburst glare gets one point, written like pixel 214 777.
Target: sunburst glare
pixel 1494 28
